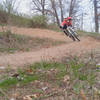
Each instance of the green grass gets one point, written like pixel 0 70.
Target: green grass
pixel 48 65
pixel 91 34
pixel 8 83
pixel 25 78
pixel 54 27
pixel 76 72
pixel 81 76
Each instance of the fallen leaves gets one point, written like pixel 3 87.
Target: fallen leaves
pixel 83 95
pixel 66 78
pixel 29 71
pixel 14 96
pixel 44 88
pixel 30 97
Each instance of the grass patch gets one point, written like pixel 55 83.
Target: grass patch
pixel 83 75
pixel 11 43
pixel 54 27
pixel 8 82
pixel 33 73
pixel 48 65
pixel 90 34
pixel 44 77
pixel 13 81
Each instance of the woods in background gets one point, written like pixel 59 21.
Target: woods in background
pixel 96 14
pixel 56 11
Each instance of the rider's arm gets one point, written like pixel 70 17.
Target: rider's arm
pixel 70 23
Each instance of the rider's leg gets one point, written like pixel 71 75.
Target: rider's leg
pixel 64 29
pixel 65 32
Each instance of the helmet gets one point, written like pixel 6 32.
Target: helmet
pixel 65 19
pixel 69 18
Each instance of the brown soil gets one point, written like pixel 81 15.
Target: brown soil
pixel 55 53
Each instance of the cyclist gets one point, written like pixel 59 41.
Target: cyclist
pixel 66 22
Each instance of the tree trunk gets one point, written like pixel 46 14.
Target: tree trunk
pixel 96 17
pixel 71 8
pixel 56 15
pixel 55 11
pixel 61 8
pixel 73 4
pixel 43 7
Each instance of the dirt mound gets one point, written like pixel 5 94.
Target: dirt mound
pixel 20 59
pixel 43 33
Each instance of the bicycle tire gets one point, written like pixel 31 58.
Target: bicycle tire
pixel 74 35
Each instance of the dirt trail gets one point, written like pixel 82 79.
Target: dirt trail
pixel 20 59
pixel 42 33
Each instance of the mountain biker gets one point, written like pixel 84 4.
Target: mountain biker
pixel 66 22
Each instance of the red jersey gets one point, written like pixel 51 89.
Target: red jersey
pixel 67 22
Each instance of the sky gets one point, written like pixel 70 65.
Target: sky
pixel 24 6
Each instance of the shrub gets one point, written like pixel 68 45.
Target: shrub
pixel 20 21
pixel 3 17
pixel 54 27
pixel 39 21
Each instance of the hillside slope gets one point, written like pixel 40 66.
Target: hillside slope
pixel 55 53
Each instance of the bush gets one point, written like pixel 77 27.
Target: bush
pixel 39 21
pixel 54 27
pixel 20 21
pixel 3 17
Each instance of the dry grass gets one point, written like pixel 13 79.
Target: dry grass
pixel 11 43
pixel 72 79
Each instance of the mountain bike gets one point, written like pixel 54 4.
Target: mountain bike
pixel 71 33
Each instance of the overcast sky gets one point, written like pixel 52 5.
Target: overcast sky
pixel 24 6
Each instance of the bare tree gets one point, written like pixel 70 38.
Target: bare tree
pixel 73 9
pixel 61 9
pixel 53 4
pixel 96 14
pixel 39 5
pixel 49 7
pixel 55 8
pixel 8 7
